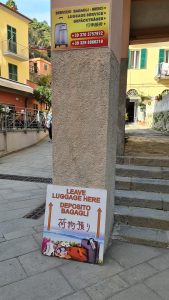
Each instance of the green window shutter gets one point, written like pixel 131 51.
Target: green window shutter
pixel 143 62
pixel 11 33
pixel 10 68
pixel 161 55
pixel 128 59
pixel 13 72
pixel 11 36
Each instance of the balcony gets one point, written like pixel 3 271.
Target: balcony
pixel 162 71
pixel 15 86
pixel 15 50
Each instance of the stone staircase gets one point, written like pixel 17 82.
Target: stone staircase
pixel 142 201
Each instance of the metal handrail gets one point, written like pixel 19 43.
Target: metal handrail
pixel 14 118
pixel 6 41
pixel 16 48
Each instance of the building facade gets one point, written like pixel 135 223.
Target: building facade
pixel 15 91
pixel 148 78
pixel 39 67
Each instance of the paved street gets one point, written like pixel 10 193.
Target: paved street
pixel 144 141
pixel 130 272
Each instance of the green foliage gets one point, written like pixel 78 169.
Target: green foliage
pixel 161 121
pixel 142 106
pixel 144 97
pixel 45 80
pixel 126 117
pixel 1 108
pixel 143 102
pixel 43 94
pixel 11 4
pixel 39 37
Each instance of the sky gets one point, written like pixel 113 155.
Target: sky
pixel 39 9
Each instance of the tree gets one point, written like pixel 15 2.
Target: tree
pixel 45 80
pixel 39 34
pixel 11 4
pixel 43 94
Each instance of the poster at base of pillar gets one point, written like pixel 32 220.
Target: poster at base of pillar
pixel 74 226
pixel 80 27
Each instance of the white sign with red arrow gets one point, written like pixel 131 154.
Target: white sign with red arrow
pixel 74 226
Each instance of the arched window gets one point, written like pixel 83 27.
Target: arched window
pixel 132 93
pixel 164 93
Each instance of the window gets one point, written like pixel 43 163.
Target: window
pixel 165 92
pixel 166 57
pixel 137 59
pixel 163 55
pixel 11 36
pixel 134 59
pixel 45 67
pixel 35 106
pixel 132 93
pixel 35 68
pixel 13 72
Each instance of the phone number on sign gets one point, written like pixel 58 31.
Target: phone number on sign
pixel 87 42
pixel 77 35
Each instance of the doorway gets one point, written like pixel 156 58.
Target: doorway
pixel 130 111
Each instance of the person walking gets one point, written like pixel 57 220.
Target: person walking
pixel 49 123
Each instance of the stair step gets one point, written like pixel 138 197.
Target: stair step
pixel 142 171
pixel 140 235
pixel 142 217
pixel 142 199
pixel 142 184
pixel 143 161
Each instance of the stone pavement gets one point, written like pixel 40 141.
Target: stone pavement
pixel 130 272
pixel 143 141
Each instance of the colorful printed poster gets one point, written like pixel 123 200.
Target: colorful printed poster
pixel 74 226
pixel 80 27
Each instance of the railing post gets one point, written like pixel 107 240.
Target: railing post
pixel 14 118
pixel 6 121
pixel 25 118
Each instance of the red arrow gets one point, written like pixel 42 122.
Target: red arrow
pixel 98 223
pixel 50 215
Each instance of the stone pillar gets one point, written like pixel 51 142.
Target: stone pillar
pixel 85 106
pixel 123 78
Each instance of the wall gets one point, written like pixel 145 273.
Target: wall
pixel 12 99
pixel 143 80
pixel 162 105
pixel 149 114
pixel 19 101
pixel 161 115
pixel 40 66
pixel 21 25
pixel 157 114
pixel 14 141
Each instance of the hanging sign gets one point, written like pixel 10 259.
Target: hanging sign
pixel 80 27
pixel 74 226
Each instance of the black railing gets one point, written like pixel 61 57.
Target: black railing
pixel 12 46
pixel 12 118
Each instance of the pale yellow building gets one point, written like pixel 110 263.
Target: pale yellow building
pixel 14 57
pixel 148 74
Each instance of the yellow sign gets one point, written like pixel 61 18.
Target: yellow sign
pixel 80 27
